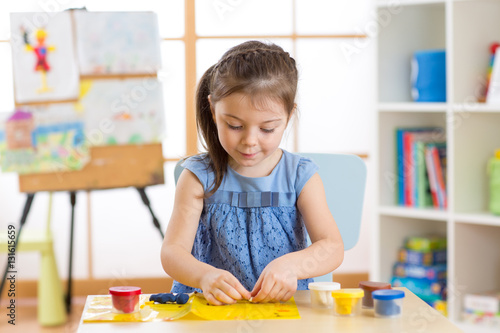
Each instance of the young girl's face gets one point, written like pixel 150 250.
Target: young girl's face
pixel 250 134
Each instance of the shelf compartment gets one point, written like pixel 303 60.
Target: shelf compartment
pixel 476 137
pixel 421 213
pixel 399 39
pixel 475 108
pixel 475 27
pixel 388 122
pixel 412 107
pixel 466 327
pixel 393 232
pixel 481 218
pixel 477 262
pixel 387 3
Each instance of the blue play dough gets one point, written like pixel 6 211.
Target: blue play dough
pixel 387 308
pixel 164 298
pixel 182 298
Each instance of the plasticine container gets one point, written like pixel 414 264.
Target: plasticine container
pixel 369 287
pixel 388 303
pixel 347 302
pixel 321 293
pixel 125 299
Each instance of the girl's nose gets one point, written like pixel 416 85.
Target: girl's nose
pixel 250 138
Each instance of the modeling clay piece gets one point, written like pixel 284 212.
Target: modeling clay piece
pixel 164 298
pixel 182 298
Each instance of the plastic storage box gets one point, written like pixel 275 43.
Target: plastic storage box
pixel 125 299
pixel 388 303
pixel 347 302
pixel 321 293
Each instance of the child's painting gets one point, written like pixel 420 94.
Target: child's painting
pixel 40 139
pixel 128 111
pixel 43 56
pixel 111 43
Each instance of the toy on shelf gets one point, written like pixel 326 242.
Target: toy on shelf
pixel 428 76
pixel 421 267
pixel 482 308
pixel 493 47
pixel 494 174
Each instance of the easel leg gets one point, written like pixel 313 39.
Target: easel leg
pixel 145 200
pixel 72 196
pixel 26 210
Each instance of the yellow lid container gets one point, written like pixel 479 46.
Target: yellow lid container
pixel 348 293
pixel 347 302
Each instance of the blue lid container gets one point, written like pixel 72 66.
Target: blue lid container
pixel 388 294
pixel 428 76
pixel 388 303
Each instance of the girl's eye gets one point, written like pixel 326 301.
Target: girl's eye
pixel 234 127
pixel 267 130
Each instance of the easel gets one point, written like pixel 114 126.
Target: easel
pixel 136 166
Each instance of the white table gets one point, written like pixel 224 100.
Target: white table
pixel 417 316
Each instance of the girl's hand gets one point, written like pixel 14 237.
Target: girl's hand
pixel 221 287
pixel 277 283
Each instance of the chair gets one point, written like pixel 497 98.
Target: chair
pixel 344 179
pixel 51 308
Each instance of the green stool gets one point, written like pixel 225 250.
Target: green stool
pixel 51 308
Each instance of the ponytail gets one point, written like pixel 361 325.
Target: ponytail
pixel 206 125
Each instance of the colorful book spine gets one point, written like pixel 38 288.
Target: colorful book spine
pixel 408 168
pixel 400 166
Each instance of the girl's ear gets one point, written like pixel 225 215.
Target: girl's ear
pixel 212 109
pixel 292 113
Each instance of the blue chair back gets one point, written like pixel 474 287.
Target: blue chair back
pixel 344 179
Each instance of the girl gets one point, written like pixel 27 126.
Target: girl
pixel 238 227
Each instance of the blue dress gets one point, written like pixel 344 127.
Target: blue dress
pixel 249 222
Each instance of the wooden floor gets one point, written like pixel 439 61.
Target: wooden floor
pixel 26 317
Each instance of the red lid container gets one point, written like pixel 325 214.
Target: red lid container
pixel 125 291
pixel 125 299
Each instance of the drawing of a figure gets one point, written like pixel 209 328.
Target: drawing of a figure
pixel 41 51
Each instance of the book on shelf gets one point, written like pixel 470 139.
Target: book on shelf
pixel 435 158
pixel 413 183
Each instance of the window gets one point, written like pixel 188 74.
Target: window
pixel 195 33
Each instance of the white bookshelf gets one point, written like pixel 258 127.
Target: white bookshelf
pixel 465 28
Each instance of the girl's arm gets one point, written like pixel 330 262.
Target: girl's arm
pixel 278 281
pixel 219 286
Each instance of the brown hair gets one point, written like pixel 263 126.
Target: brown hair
pixel 260 71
